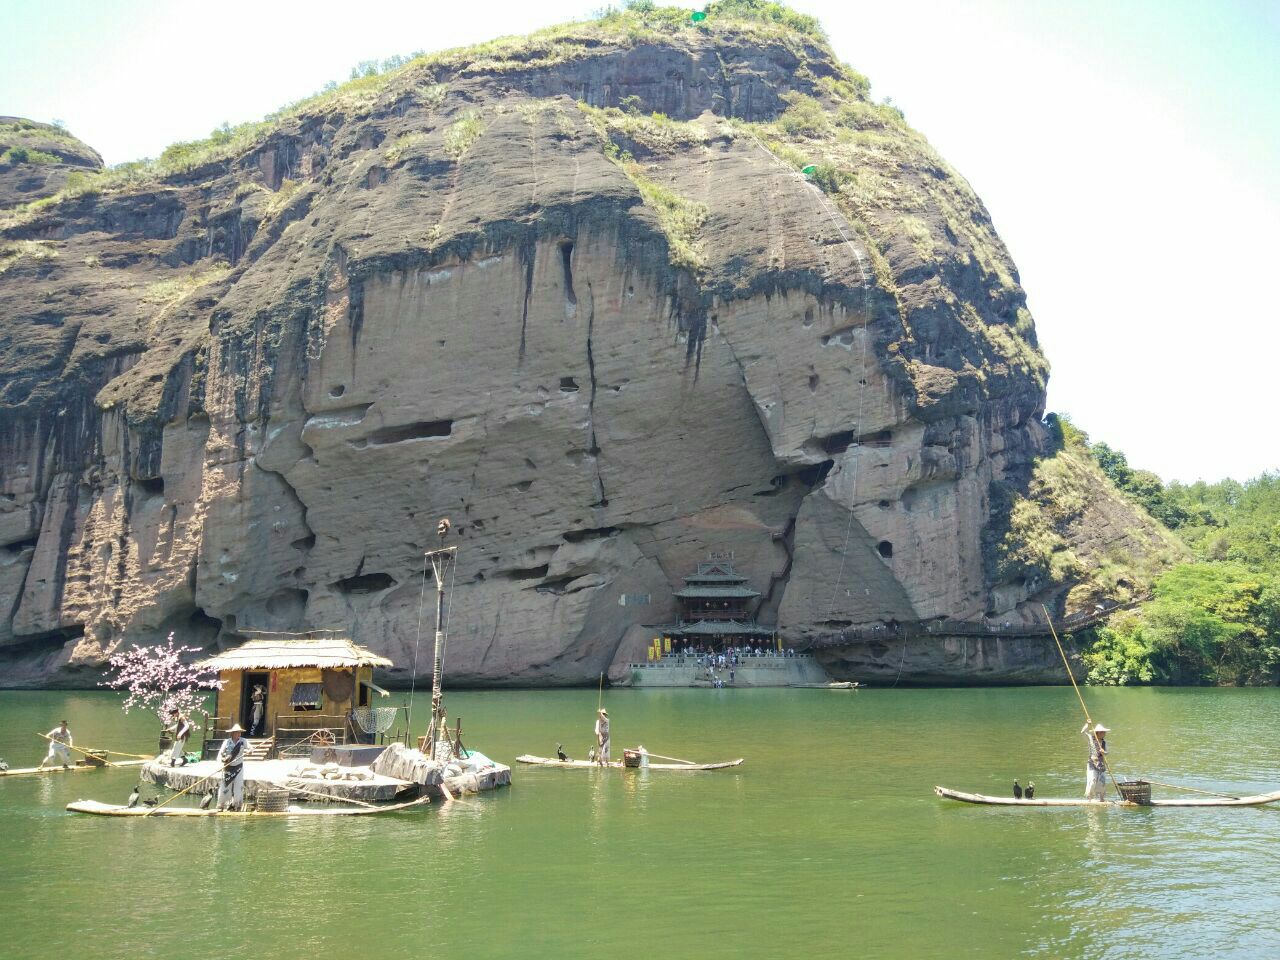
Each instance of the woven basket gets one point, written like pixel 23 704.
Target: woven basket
pixel 271 800
pixel 631 758
pixel 1135 791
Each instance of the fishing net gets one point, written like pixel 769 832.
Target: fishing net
pixel 374 719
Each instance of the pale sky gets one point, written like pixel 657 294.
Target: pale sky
pixel 1129 153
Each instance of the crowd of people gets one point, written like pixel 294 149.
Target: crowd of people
pixel 727 657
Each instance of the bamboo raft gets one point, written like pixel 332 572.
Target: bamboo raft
pixel 619 765
pixel 1256 800
pixel 118 810
pixel 78 765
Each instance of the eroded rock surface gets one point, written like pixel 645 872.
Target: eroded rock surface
pixel 241 396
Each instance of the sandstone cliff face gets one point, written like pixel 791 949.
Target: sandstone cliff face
pixel 241 394
pixel 36 160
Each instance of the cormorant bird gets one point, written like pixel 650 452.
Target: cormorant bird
pixel 133 798
pixel 1030 792
pixel 208 799
pixel 560 755
pixel 150 801
pixel 3 766
pixel 1017 790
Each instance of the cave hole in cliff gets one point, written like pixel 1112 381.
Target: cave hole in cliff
pixel 304 543
pixel 527 573
pixel 46 638
pixel 885 549
pixel 421 430
pixel 815 473
pixel 591 533
pixel 364 583
pixel 813 383
pixel 523 486
pixel 837 442
pixel 200 624
pixel 568 385
pixel 151 486
pixel 556 586
pixel 337 391
pixel 881 438
pixel 15 548
pixel 566 264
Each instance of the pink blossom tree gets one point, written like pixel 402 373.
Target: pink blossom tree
pixel 158 680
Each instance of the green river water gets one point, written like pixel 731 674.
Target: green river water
pixel 827 842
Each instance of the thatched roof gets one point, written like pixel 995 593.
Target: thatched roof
pixel 280 651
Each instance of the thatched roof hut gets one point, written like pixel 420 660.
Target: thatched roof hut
pixel 326 649
pixel 290 685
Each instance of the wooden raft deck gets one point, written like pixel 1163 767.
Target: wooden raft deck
pixel 25 771
pixel 1256 800
pixel 618 765
pixel 322 810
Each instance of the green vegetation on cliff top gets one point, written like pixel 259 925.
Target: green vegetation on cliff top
pixel 640 21
pixel 1214 610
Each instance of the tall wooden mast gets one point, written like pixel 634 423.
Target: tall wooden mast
pixel 441 560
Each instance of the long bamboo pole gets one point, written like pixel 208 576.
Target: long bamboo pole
pixel 316 793
pixel 1072 677
pixel 78 750
pixel 1158 783
pixel 135 756
pixel 692 763
pixel 221 767
pixel 1176 786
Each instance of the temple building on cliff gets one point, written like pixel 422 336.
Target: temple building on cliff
pixel 714 610
pixel 717 640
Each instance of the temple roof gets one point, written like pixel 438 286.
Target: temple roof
pixel 717 592
pixel 718 627
pixel 282 651
pixel 715 578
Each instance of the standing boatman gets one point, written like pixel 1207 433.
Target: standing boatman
pixel 1095 771
pixel 182 727
pixel 231 756
pixel 59 746
pixel 602 737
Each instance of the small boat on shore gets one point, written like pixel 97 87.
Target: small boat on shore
pixel 314 810
pixel 78 765
pixel 1256 800
pixel 619 765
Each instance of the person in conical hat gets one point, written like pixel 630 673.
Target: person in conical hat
pixel 1095 770
pixel 231 757
pixel 602 737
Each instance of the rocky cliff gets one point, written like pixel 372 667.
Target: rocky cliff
pixel 571 291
